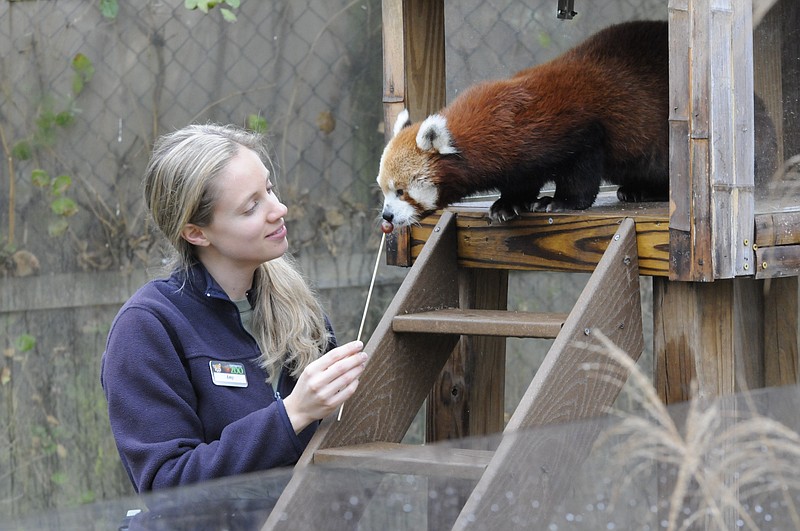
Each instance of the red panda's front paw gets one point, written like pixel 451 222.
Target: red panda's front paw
pixel 502 211
pixel 549 204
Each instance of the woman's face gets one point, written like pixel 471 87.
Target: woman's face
pixel 247 227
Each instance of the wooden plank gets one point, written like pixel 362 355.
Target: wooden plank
pixel 394 75
pixel 566 241
pixel 398 248
pixel 68 290
pixel 781 331
pixel 701 236
pixel 482 323
pixel 692 249
pixel 722 173
pixel 393 458
pixel 680 196
pixel 680 189
pixel 781 261
pixel 733 21
pixel 424 56
pixel 397 379
pixel 777 228
pixel 563 390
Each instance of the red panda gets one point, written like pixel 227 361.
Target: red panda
pixel 597 112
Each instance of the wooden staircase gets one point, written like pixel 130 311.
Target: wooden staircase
pixel 408 349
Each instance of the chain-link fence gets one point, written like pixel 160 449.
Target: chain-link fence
pixel 84 96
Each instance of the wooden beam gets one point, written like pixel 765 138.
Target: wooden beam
pixel 393 386
pixel 574 382
pixel 777 228
pixel 503 323
pixel 565 241
pixel 394 458
pixel 780 261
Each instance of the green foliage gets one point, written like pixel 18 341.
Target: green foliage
pixel 25 342
pixel 49 122
pixel 59 478
pixel 61 206
pixel 206 5
pixel 84 72
pixel 257 124
pixel 109 9
pixel 22 150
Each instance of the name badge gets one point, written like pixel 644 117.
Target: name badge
pixel 228 374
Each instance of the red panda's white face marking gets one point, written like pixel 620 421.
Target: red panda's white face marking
pixel 406 176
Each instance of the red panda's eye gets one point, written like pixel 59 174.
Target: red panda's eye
pixel 400 193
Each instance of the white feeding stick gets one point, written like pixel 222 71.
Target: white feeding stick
pixel 366 305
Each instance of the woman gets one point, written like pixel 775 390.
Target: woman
pixel 226 366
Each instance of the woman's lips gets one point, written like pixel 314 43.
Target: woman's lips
pixel 278 234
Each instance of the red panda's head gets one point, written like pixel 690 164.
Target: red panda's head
pixel 407 170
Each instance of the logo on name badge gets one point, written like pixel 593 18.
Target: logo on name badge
pixel 228 374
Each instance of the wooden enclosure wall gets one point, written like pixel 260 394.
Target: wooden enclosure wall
pixel 711 139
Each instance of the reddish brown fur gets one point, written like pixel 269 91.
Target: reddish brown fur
pixel 597 111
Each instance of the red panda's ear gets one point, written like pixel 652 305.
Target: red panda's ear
pixel 433 135
pixel 403 121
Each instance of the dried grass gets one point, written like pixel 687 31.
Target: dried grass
pixel 723 455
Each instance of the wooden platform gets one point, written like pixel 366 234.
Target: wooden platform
pixel 563 241
pixel 575 240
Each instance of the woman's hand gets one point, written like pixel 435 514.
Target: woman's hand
pixel 325 384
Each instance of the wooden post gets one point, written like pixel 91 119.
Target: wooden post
pixel 711 139
pixel 712 333
pixel 413 59
pixel 468 398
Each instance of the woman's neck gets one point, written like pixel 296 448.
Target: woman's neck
pixel 236 282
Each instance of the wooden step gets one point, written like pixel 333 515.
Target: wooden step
pixel 482 323
pixel 398 458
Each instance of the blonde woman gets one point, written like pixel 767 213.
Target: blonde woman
pixel 226 366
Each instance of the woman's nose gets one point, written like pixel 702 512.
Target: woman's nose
pixel 278 211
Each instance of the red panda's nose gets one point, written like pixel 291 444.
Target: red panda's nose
pixel 387 215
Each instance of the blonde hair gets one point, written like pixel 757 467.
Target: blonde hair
pixel 288 321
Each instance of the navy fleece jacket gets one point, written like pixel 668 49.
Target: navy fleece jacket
pixel 172 424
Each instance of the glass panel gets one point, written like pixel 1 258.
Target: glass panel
pixel 728 463
pixel 776 70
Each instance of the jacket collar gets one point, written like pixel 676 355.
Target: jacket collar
pixel 200 281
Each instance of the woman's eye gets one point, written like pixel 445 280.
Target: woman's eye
pixel 252 208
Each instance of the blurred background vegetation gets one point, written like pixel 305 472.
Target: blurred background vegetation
pixel 88 86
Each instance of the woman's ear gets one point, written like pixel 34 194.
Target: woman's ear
pixel 194 235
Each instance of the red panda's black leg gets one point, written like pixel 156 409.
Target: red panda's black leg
pixel 630 194
pixel 512 203
pixel 578 184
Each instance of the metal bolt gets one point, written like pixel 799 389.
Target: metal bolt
pixel 763 265
pixel 626 260
pixel 436 229
pixel 746 267
pixel 587 331
pixel 616 237
pixel 755 247
pixel 550 221
pixel 746 243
